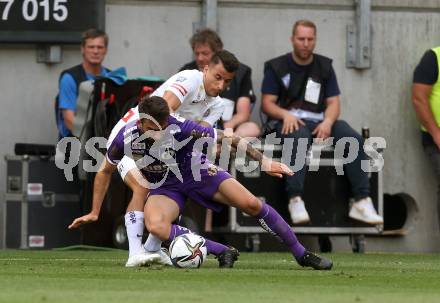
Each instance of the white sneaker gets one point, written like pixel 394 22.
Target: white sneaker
pixel 142 259
pixel 164 257
pixel 298 211
pixel 363 210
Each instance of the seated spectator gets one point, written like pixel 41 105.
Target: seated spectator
pixel 301 98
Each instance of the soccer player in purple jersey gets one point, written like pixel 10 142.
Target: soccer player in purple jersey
pixel 175 171
pixel 191 94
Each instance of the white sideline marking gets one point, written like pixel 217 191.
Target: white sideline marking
pixel 14 259
pixel 56 259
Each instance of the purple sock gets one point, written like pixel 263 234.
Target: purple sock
pixel 215 248
pixel 272 222
pixel 212 247
pixel 176 230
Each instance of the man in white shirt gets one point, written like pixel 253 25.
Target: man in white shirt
pixel 193 95
pixel 186 94
pixel 239 97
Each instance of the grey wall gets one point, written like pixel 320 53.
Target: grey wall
pixel 151 38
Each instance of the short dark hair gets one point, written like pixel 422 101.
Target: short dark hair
pixel 303 22
pixel 156 107
pixel 230 62
pixel 93 33
pixel 207 36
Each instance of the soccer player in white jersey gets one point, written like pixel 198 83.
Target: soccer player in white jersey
pixel 188 95
pixel 193 95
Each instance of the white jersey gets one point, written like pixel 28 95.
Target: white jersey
pixel 195 105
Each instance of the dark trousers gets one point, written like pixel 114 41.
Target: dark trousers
pixel 360 185
pixel 433 154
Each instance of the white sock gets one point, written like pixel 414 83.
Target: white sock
pixel 134 223
pixel 153 243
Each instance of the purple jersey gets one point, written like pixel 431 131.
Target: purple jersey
pixel 170 157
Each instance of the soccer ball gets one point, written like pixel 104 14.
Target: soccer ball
pixel 188 251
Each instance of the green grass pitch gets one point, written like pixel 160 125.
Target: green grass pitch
pixel 100 276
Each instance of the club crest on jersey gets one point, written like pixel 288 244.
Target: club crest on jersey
pixel 212 170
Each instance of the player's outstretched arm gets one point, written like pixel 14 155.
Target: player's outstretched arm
pixel 275 168
pixel 271 167
pixel 89 218
pixel 100 186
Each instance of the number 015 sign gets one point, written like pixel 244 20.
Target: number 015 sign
pixel 49 21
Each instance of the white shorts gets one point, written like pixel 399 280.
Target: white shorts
pixel 125 165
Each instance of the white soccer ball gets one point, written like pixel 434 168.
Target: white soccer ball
pixel 188 251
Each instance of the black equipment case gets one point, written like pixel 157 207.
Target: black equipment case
pixel 39 204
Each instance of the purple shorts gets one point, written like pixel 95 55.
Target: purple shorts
pixel 200 192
